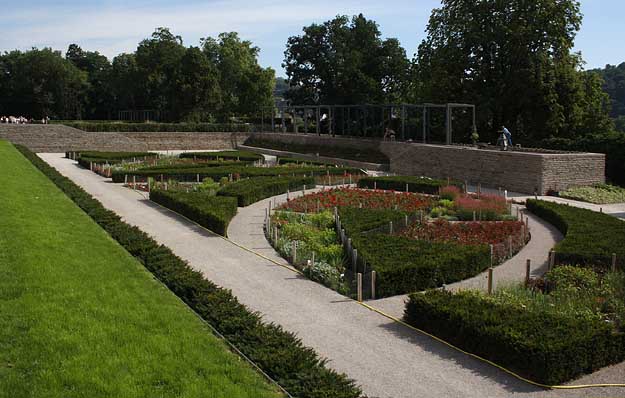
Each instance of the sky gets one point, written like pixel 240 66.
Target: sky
pixel 115 26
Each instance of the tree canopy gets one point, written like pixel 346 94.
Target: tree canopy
pixel 220 79
pixel 614 85
pixel 345 61
pixel 512 59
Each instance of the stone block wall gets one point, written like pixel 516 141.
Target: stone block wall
pixel 187 141
pixel 524 172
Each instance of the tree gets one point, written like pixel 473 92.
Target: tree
pixel 614 85
pixel 245 85
pixel 98 69
pixel 39 83
pixel 344 61
pixel 513 60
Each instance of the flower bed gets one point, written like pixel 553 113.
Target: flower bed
pixel 407 184
pixel 217 173
pixel 484 207
pixel 465 233
pixel 599 194
pixel 350 197
pixel 230 155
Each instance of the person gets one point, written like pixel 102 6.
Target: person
pixel 507 134
pixel 389 134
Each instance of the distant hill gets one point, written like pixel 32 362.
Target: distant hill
pixel 614 85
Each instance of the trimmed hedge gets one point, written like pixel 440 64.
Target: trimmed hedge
pixel 415 184
pixel 120 127
pixel 590 237
pixel 279 353
pixel 282 160
pixel 232 155
pixel 254 189
pixel 405 265
pixel 332 151
pixel 84 158
pixel 209 211
pixel 191 166
pixel 543 347
pixel 243 171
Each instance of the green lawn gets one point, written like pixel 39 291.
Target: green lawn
pixel 80 317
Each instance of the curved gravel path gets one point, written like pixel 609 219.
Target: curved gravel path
pixel 385 358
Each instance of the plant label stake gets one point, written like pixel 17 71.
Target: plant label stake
pixel 528 265
pixel 490 280
pixel 373 285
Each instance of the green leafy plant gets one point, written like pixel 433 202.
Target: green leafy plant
pixel 252 190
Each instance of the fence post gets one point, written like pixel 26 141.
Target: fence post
pixel 313 259
pixel 91 166
pixel 390 228
pixel 350 179
pixel 406 219
pixel 294 252
pixel 528 265
pixel 406 187
pixel 197 177
pixel 269 208
pixel 552 259
pixel 355 259
pixel 466 186
pixel 373 285
pixel 375 185
pixel 125 179
pixel 613 262
pixel 474 219
pixel 134 182
pixel 359 287
pixel 491 254
pixel 510 245
pixel 490 280
pixel 479 189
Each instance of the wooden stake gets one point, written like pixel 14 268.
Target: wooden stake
pixel 528 265
pixel 613 262
pixel 294 253
pixel 390 228
pixel 552 259
pixel 490 280
pixel 373 285
pixel 359 287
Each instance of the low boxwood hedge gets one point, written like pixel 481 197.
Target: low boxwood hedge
pixel 405 265
pixel 242 171
pixel 282 160
pixel 252 190
pixel 415 184
pixel 333 151
pixel 167 168
pixel 84 158
pixel 590 237
pixel 232 155
pixel 121 127
pixel 212 212
pixel 279 353
pixel 543 347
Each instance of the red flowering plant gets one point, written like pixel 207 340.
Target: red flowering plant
pixel 352 197
pixel 506 237
pixel 486 207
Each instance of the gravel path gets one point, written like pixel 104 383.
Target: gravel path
pixel 385 358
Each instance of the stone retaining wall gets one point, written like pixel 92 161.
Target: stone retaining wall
pixel 187 141
pixel 524 172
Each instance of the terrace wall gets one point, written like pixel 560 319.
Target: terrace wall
pixel 525 172
pixel 187 141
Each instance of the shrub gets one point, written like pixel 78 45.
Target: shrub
pixel 415 184
pixel 252 190
pixel 217 173
pixel 277 352
pixel 283 160
pixel 599 194
pixel 486 207
pixel 406 265
pixel 548 348
pixel 231 155
pixel 590 237
pixel 121 127
pixel 189 166
pixel 212 212
pixel 84 158
pixel 334 151
pixel 450 192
